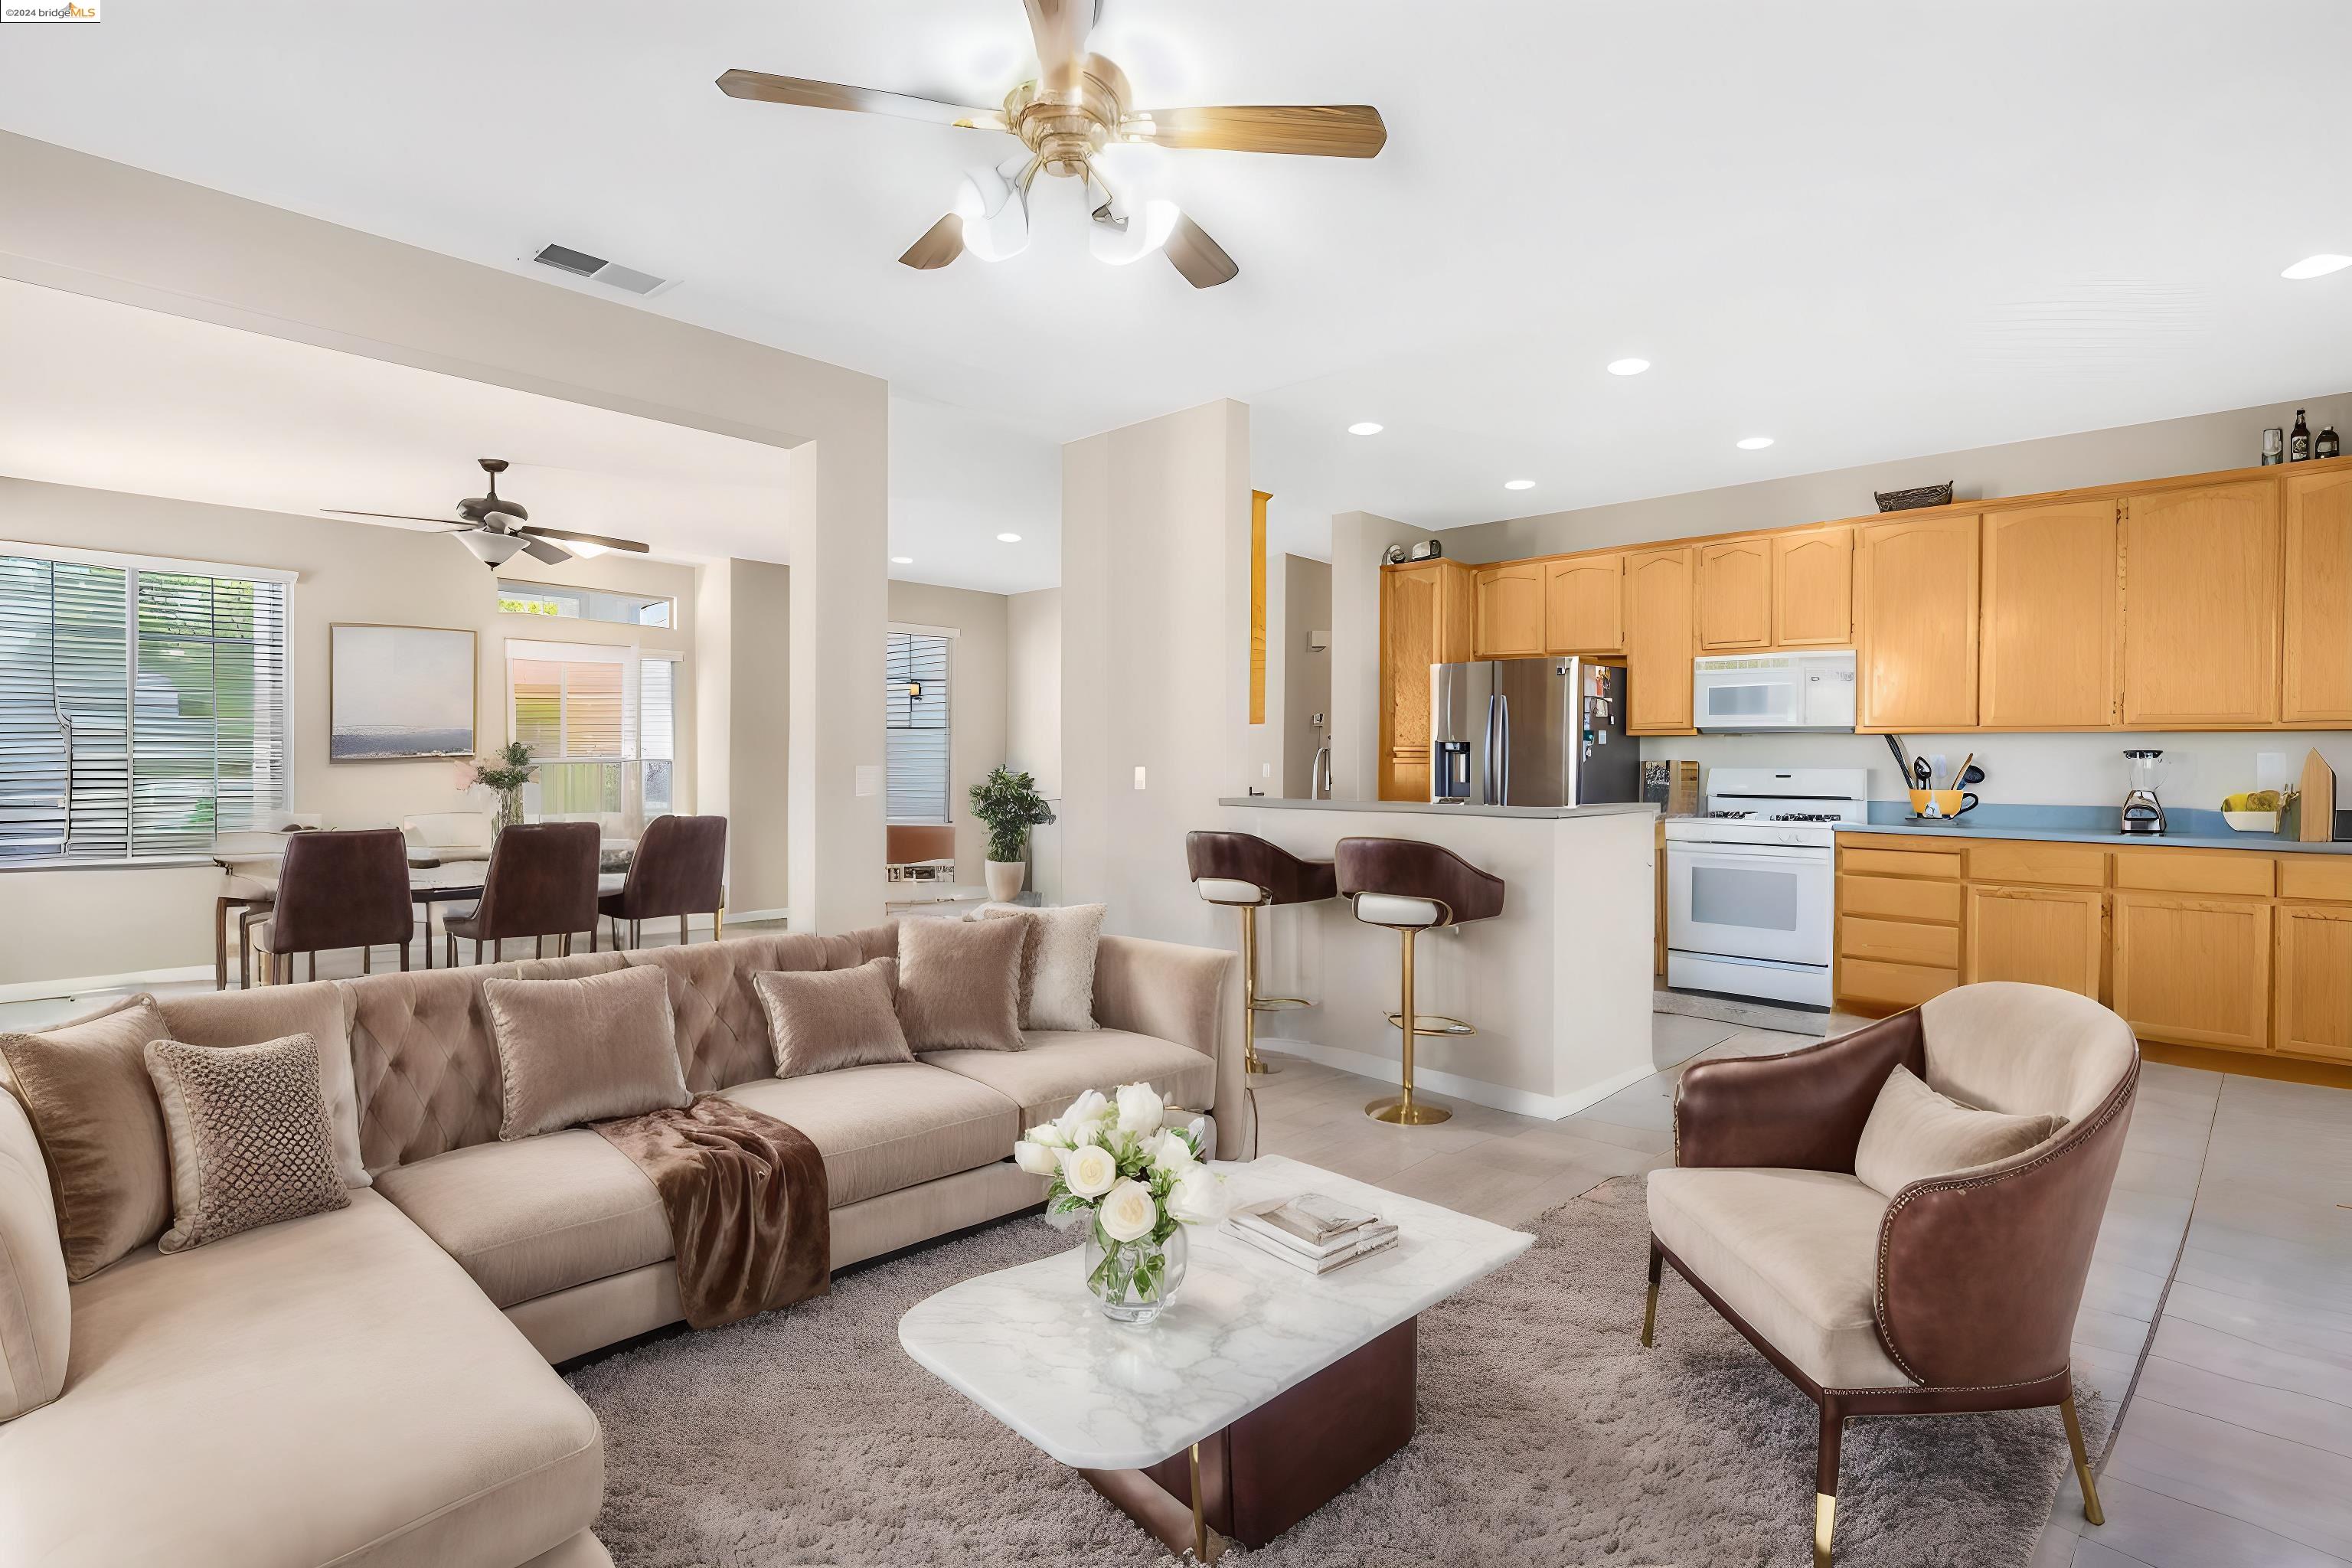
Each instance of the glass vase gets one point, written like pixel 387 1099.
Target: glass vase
pixel 1133 1282
pixel 510 808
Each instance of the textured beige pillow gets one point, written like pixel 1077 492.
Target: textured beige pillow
pixel 251 1142
pixel 959 984
pixel 1058 963
pixel 1915 1132
pixel 584 1050
pixel 85 1086
pixel 272 1013
pixel 820 1019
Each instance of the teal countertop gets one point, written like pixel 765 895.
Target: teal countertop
pixel 2186 827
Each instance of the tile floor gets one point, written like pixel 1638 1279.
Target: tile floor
pixel 2215 1313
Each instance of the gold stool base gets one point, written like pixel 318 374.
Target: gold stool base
pixel 1397 1113
pixel 1258 1067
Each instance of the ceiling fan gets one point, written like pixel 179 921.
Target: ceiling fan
pixel 1079 104
pixel 496 528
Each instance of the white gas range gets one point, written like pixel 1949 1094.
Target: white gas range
pixel 1749 885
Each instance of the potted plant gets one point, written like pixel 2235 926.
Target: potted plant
pixel 508 774
pixel 1008 805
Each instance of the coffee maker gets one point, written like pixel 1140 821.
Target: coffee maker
pixel 2143 812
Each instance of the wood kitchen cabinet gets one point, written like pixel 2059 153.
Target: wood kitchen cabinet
pixel 2202 601
pixel 1813 589
pixel 1914 624
pixel 2050 592
pixel 2194 971
pixel 2042 936
pixel 2315 683
pixel 1584 605
pixel 1426 617
pixel 1659 636
pixel 1735 594
pixel 1508 619
pixel 2315 981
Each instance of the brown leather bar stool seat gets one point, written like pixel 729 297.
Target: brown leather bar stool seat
pixel 541 882
pixel 340 890
pixel 1248 873
pixel 679 868
pixel 1412 887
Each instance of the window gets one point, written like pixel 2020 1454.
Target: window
pixel 916 730
pixel 143 705
pixel 601 722
pixel 583 604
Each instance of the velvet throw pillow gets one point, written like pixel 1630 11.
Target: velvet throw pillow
pixel 1058 963
pixel 1915 1132
pixel 251 1143
pixel 821 1019
pixel 584 1050
pixel 959 984
pixel 85 1086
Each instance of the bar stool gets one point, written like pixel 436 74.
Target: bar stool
pixel 1411 887
pixel 1246 872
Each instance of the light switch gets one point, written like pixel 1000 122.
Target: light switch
pixel 869 778
pixel 1266 769
pixel 1139 775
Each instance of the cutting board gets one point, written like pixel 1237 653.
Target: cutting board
pixel 2317 815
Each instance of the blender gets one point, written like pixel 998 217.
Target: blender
pixel 2142 811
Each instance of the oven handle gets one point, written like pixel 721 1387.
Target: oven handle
pixel 1690 850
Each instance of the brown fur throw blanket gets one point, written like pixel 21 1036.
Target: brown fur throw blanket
pixel 747 1203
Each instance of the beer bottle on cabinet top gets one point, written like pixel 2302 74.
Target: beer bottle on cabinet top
pixel 2298 440
pixel 2328 445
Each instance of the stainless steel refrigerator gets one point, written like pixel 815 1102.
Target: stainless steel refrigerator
pixel 1530 731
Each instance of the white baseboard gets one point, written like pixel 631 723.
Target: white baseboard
pixel 82 985
pixel 1454 1086
pixel 703 923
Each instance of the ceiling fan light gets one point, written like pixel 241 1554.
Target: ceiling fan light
pixel 1146 231
pixel 996 214
pixel 491 549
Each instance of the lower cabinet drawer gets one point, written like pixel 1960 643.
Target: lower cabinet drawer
pixel 1900 898
pixel 2025 861
pixel 2310 876
pixel 2196 871
pixel 1899 941
pixel 1892 984
pixel 1943 866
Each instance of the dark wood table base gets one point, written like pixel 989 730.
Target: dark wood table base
pixel 1283 1460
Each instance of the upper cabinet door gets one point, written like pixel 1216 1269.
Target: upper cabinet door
pixel 1409 640
pixel 1509 620
pixel 1735 594
pixel 1659 633
pixel 1813 589
pixel 1584 605
pixel 1914 624
pixel 2317 684
pixel 2201 599
pixel 2050 618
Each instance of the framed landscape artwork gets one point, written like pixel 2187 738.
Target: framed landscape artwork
pixel 398 692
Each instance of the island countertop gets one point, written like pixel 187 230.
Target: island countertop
pixel 1541 813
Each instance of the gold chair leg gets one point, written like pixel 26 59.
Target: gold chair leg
pixel 2091 1509
pixel 1650 1313
pixel 1825 1522
pixel 1252 1064
pixel 1825 1480
pixel 1403 1110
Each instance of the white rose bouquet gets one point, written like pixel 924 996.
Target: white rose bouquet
pixel 1111 1165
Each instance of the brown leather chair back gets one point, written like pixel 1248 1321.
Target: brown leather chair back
pixel 542 881
pixel 1246 857
pixel 342 890
pixel 1413 869
pixel 679 868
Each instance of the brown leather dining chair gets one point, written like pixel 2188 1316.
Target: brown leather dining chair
pixel 337 890
pixel 541 882
pixel 1958 1293
pixel 679 868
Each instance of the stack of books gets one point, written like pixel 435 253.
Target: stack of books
pixel 1312 1232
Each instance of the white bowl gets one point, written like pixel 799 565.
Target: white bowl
pixel 2252 821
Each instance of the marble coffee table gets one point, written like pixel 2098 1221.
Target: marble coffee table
pixel 1262 1392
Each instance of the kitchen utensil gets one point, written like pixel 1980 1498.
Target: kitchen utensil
pixel 1921 773
pixel 1971 774
pixel 1960 774
pixel 2142 812
pixel 1902 758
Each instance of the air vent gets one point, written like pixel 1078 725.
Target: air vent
pixel 580 264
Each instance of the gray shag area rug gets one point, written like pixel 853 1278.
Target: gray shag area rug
pixel 1548 1435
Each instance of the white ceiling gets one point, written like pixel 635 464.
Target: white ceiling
pixel 1867 231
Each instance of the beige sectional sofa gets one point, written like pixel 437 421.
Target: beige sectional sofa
pixel 372 1385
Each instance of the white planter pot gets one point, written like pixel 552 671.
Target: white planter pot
pixel 1004 879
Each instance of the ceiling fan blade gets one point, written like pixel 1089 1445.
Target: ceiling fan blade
pixel 606 539
pixel 1314 130
pixel 1060 27
pixel 766 88
pixel 941 243
pixel 397 517
pixel 1201 261
pixel 544 550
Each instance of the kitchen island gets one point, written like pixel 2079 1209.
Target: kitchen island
pixel 1557 985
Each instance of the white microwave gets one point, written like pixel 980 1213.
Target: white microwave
pixel 1810 690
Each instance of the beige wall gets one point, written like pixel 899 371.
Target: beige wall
pixel 1358 542
pixel 1033 718
pixel 760 693
pixel 977 697
pixel 88 922
pixel 1306 674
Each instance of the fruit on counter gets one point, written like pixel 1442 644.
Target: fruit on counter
pixel 2252 800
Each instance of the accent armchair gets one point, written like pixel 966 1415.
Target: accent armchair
pixel 1956 1295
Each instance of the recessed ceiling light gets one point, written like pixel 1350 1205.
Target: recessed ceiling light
pixel 902 560
pixel 1365 428
pixel 1628 366
pixel 1519 484
pixel 1755 443
pixel 1008 539
pixel 2317 267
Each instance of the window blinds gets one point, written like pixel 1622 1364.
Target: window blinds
pixel 916 728
pixel 142 710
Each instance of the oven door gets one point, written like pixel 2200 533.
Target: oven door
pixel 1750 900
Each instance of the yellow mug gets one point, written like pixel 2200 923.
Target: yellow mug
pixel 1946 803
